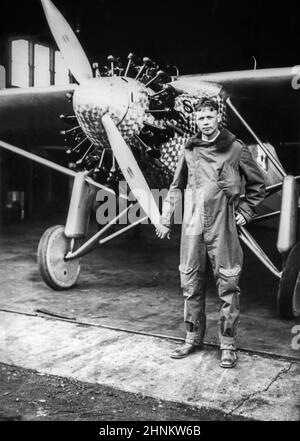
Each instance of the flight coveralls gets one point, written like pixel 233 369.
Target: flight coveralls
pixel 210 174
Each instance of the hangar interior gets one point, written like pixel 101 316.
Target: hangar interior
pixel 29 191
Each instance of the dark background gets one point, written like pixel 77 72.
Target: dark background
pixel 197 36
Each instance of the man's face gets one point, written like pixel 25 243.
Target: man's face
pixel 207 120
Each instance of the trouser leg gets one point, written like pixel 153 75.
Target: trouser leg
pixel 192 275
pixel 229 292
pixel 226 256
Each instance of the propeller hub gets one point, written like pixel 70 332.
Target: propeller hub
pixel 124 99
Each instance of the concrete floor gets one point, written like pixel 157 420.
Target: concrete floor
pixel 260 387
pixel 133 283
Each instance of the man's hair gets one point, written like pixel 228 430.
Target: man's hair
pixel 206 102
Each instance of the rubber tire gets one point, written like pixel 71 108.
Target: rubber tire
pixel 46 248
pixel 288 297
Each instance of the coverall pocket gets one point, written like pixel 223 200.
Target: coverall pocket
pixel 186 277
pixel 229 278
pixel 230 182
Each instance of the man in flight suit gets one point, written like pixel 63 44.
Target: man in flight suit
pixel 209 171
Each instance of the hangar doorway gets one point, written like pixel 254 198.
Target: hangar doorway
pixel 30 191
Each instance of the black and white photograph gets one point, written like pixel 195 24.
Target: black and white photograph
pixel 149 214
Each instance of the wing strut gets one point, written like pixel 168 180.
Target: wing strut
pixel 269 154
pixel 53 165
pixel 256 249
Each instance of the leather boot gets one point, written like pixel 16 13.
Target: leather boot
pixel 228 358
pixel 193 343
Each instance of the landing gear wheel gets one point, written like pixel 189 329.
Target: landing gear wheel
pixel 288 297
pixel 57 272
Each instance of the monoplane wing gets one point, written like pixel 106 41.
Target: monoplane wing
pixel 245 82
pixel 268 98
pixel 30 116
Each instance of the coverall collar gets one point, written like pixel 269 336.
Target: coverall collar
pixel 223 141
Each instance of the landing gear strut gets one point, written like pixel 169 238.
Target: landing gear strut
pixel 288 296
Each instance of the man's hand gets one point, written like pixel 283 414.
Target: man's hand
pixel 239 219
pixel 162 231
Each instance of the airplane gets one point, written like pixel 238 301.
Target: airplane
pixel 131 122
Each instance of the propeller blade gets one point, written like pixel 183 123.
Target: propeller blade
pixel 131 170
pixel 67 42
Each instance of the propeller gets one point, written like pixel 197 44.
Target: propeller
pixel 67 42
pixel 131 171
